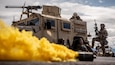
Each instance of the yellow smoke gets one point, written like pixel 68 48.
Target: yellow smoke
pixel 16 45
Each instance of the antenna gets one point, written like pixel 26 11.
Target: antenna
pixel 22 10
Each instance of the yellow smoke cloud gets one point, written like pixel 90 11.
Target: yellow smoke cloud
pixel 16 45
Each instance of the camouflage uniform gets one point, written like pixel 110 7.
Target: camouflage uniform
pixel 102 35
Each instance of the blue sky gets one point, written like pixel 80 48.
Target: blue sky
pixel 103 11
pixel 105 3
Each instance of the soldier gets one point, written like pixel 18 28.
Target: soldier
pixel 101 37
pixel 79 44
pixel 75 16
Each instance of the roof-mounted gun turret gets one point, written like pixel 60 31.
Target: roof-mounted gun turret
pixel 28 9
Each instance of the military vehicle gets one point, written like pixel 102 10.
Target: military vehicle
pixel 56 29
pixel 50 24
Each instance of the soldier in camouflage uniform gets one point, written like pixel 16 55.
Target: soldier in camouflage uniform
pixel 101 37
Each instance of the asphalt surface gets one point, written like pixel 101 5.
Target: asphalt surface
pixel 104 59
pixel 97 61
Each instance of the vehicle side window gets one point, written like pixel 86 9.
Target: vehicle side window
pixel 33 22
pixel 66 25
pixel 52 22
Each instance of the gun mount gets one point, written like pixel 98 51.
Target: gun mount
pixel 28 9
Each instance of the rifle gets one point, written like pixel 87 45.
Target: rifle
pixel 96 29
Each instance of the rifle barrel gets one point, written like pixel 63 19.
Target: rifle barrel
pixel 14 6
pixel 28 7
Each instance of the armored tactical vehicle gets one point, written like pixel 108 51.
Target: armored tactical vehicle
pixel 56 29
pixel 50 24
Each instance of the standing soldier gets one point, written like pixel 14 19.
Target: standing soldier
pixel 101 37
